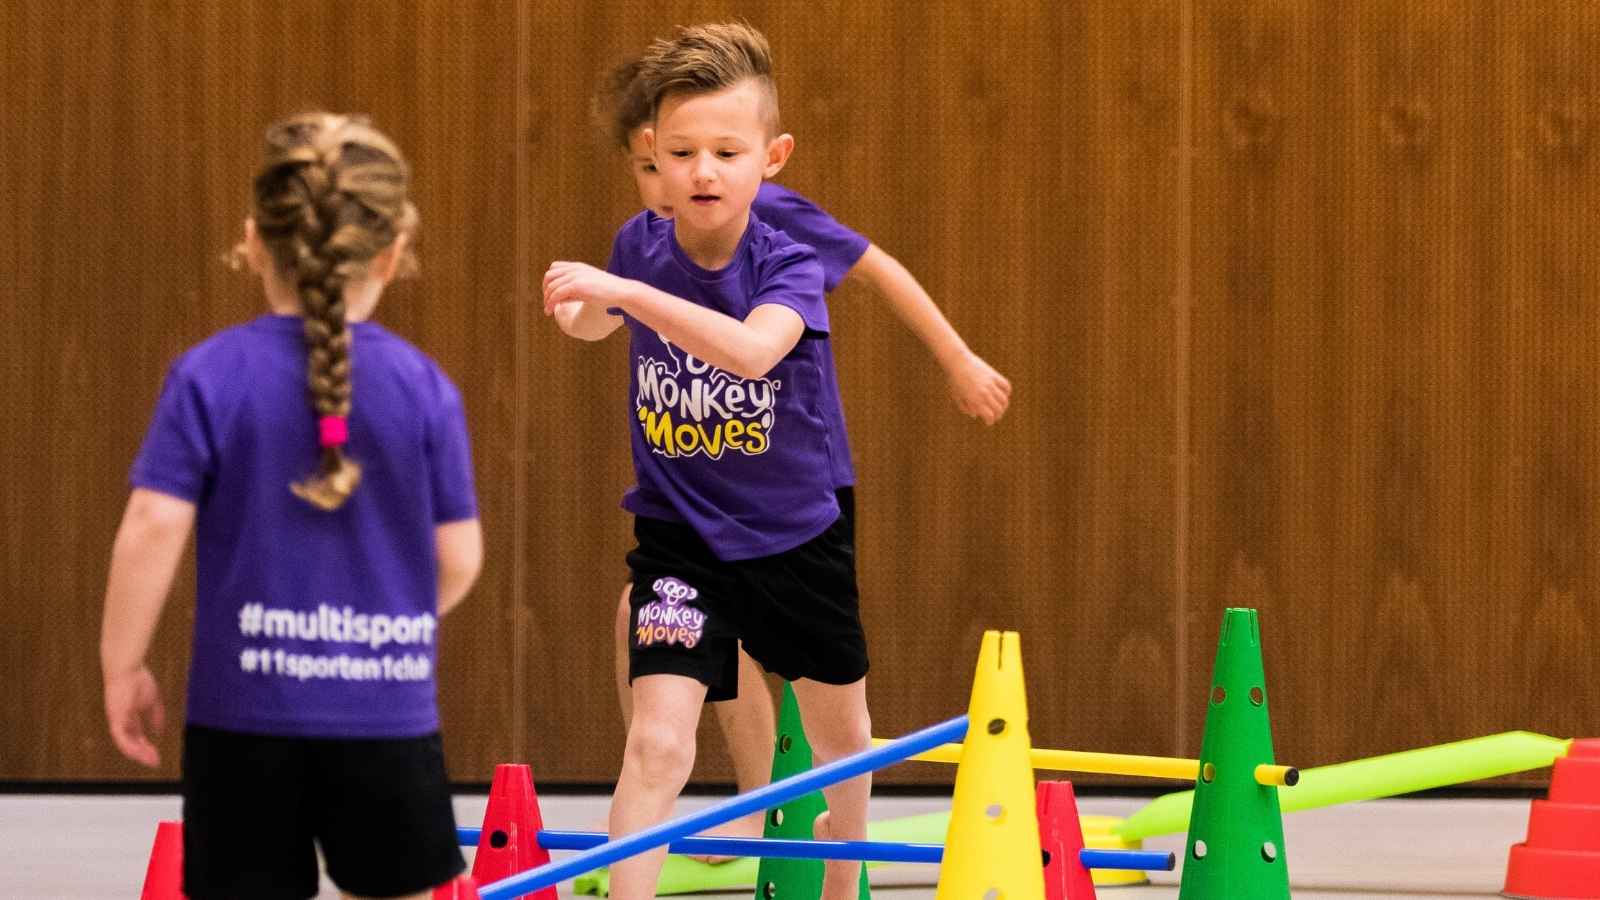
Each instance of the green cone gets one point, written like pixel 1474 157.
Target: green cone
pixel 793 879
pixel 1235 848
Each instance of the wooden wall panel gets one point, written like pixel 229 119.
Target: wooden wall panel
pixel 1373 416
pixel 1035 201
pixel 131 133
pixel 1382 463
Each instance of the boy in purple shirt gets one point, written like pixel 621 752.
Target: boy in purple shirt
pixel 748 721
pixel 735 442
pixel 312 715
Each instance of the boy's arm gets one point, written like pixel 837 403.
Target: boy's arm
pixel 144 559
pixel 585 322
pixel 748 348
pixel 459 546
pixel 978 389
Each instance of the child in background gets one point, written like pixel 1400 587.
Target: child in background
pixel 735 447
pixel 324 465
pixel 622 108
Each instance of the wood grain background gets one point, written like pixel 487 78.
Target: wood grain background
pixel 1300 300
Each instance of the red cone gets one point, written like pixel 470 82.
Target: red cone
pixel 163 879
pixel 1061 832
pixel 1560 860
pixel 509 842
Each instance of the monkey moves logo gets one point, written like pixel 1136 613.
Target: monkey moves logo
pixel 691 407
pixel 666 620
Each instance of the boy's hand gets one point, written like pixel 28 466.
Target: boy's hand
pixel 979 390
pixel 568 282
pixel 131 699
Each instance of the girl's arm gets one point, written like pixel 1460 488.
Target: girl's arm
pixel 144 559
pixel 460 551
pixel 977 388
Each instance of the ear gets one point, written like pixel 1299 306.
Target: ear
pixel 384 266
pixel 255 250
pixel 650 140
pixel 778 151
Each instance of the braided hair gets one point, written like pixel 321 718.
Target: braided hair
pixel 330 196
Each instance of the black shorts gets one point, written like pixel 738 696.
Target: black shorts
pixel 797 613
pixel 254 804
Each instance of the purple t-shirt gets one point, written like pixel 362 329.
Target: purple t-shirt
pixel 838 249
pixel 311 623
pixel 746 462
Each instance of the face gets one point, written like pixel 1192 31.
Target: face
pixel 642 166
pixel 712 153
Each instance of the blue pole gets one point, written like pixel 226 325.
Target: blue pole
pixel 775 794
pixel 1144 860
pixel 770 848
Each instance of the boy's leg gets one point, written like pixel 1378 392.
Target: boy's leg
pixel 655 766
pixel 838 725
pixel 620 660
pixel 749 723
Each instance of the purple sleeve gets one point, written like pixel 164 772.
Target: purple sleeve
pixel 838 248
pixel 450 459
pixel 792 277
pixel 178 456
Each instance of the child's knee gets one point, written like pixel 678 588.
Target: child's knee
pixel 842 738
pixel 659 753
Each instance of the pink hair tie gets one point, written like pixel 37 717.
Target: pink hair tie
pixel 335 430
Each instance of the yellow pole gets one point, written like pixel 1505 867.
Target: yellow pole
pixel 1113 764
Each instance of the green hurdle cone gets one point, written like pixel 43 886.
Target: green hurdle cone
pixel 1235 846
pixel 794 879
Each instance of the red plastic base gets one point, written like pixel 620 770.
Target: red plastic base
pixel 1576 780
pixel 1544 874
pixel 1564 826
pixel 163 878
pixel 1561 858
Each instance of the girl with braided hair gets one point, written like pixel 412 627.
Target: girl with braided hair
pixel 324 465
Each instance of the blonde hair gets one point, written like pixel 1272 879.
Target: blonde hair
pixel 330 196
pixel 701 59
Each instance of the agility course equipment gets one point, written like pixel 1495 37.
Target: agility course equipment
pixel 508 842
pixel 1561 856
pixel 682 875
pixel 791 754
pixel 732 808
pixel 1083 762
pixel 1235 844
pixel 1372 778
pixel 992 844
pixel 163 877
pixel 993 841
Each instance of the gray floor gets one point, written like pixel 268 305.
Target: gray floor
pixel 96 847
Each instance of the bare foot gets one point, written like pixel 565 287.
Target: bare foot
pixel 841 878
pixel 820 830
pixel 747 827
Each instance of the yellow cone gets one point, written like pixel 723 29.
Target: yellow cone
pixel 991 851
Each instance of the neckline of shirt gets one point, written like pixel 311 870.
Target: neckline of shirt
pixel 701 273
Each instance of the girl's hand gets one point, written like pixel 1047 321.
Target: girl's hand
pixel 569 282
pixel 979 390
pixel 132 699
